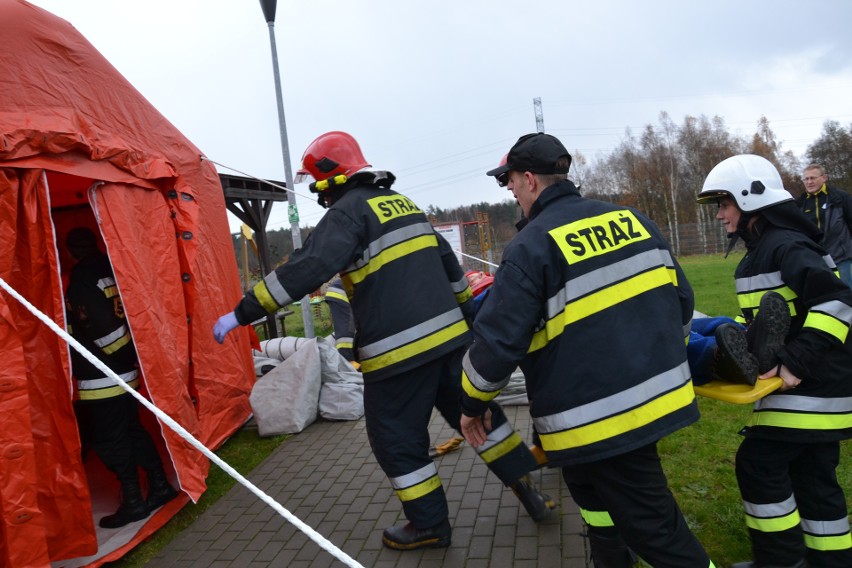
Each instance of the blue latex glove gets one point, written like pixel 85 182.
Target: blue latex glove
pixel 224 325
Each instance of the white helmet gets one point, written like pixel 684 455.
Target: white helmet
pixel 751 181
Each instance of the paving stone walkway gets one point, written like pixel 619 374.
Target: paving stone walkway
pixel 327 477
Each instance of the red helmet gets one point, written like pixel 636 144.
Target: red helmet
pixel 330 156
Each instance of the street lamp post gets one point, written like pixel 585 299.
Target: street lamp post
pixel 268 7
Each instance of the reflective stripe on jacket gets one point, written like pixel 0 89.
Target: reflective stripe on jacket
pixel 97 320
pixel 593 307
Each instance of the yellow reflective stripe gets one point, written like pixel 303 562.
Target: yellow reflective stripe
pixel 261 292
pixel 840 542
pixel 599 301
pixel 107 392
pixel 597 518
pixel 474 392
pixel 419 490
pixel 390 254
pixel 501 449
pixel 111 291
pixel 621 423
pixel 336 295
pixel 812 421
pixel 422 345
pixel 344 345
pixel 117 344
pixel 751 300
pixel 828 324
pixel 463 297
pixel 775 524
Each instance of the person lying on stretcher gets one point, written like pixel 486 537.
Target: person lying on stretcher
pixel 721 349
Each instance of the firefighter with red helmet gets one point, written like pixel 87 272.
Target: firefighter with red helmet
pixel 412 332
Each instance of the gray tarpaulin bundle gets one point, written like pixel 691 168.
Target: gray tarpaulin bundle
pixel 301 379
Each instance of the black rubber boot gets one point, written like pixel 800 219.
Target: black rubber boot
pixel 732 361
pixel 160 490
pixel 407 537
pixel 538 505
pixel 610 552
pixel 131 509
pixel 768 330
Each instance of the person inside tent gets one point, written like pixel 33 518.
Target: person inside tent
pixel 107 414
pixel 412 331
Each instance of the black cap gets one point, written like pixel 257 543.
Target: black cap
pixel 536 153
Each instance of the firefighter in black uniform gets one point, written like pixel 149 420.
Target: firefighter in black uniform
pixel 109 416
pixel 786 465
pixel 600 312
pixel 341 320
pixel 411 303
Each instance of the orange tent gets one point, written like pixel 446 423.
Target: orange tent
pixel 80 146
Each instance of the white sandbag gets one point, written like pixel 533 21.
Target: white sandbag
pixel 280 347
pixel 263 365
pixel 342 391
pixel 285 400
pixel 341 401
pixel 335 367
pixel 515 391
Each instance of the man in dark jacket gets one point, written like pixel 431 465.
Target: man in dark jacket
pixel 830 208
pixel 411 304
pixel 600 313
pixel 109 416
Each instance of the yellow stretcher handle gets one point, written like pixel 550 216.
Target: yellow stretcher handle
pixel 739 393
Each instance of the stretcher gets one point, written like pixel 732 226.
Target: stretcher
pixel 738 393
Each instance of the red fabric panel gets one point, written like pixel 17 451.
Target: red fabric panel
pixel 66 109
pixel 43 476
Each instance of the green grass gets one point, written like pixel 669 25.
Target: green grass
pixel 699 460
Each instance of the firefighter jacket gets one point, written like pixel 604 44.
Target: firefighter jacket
pixel 589 301
pixel 409 296
pixel 817 349
pixel 831 211
pixel 96 319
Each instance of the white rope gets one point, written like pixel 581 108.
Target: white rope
pixel 477 258
pixel 312 534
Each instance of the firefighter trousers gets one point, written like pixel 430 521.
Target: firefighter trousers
pixel 627 496
pixel 112 428
pixel 397 412
pixel 795 508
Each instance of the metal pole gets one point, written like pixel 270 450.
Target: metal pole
pixel 292 210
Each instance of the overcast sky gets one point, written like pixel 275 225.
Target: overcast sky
pixel 438 91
